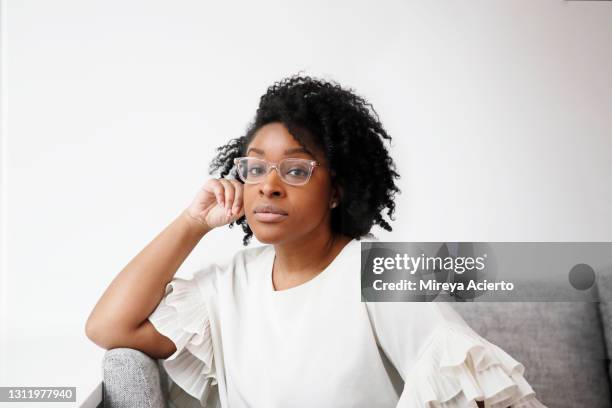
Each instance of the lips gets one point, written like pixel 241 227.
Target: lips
pixel 269 213
pixel 269 209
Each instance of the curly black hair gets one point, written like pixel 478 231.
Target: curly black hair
pixel 347 128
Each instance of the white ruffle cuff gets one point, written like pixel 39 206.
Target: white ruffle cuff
pixel 182 316
pixel 459 367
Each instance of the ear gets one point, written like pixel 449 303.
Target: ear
pixel 337 191
pixel 338 194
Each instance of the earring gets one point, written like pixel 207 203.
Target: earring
pixel 334 204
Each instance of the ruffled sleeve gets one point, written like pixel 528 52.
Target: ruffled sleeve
pixel 444 363
pixel 183 316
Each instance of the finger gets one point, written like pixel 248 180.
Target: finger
pixel 216 188
pixel 241 212
pixel 238 188
pixel 229 194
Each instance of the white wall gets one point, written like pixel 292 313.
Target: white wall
pixel 500 113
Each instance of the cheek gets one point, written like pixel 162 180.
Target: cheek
pixel 308 205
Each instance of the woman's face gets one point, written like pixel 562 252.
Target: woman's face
pixel 307 206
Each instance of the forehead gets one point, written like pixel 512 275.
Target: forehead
pixel 274 140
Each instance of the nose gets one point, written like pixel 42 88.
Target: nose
pixel 272 184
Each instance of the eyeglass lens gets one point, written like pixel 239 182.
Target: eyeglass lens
pixel 293 171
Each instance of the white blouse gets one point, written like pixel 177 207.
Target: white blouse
pixel 240 343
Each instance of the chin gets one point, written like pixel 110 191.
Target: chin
pixel 269 233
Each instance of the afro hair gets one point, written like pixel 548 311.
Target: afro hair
pixel 347 129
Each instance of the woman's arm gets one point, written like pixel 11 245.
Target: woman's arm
pixel 436 351
pixel 119 319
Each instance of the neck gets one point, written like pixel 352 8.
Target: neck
pixel 308 255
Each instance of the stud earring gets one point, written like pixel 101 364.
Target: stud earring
pixel 334 204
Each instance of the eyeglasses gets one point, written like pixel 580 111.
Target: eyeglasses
pixel 295 172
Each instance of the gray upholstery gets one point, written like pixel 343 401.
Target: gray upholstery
pixel 564 347
pixel 560 344
pixel 133 379
pixel 604 286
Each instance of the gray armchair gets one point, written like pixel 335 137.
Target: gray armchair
pixel 565 347
pixel 133 379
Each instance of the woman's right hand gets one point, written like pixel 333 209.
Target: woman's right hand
pixel 218 202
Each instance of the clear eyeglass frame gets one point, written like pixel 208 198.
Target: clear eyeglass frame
pixel 240 161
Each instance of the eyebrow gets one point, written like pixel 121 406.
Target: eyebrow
pixel 288 151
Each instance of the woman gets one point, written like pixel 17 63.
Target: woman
pixel 283 324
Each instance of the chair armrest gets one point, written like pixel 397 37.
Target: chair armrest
pixel 132 379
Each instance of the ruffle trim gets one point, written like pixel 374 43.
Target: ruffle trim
pixel 459 367
pixel 182 316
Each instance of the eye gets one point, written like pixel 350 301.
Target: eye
pixel 297 172
pixel 256 170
